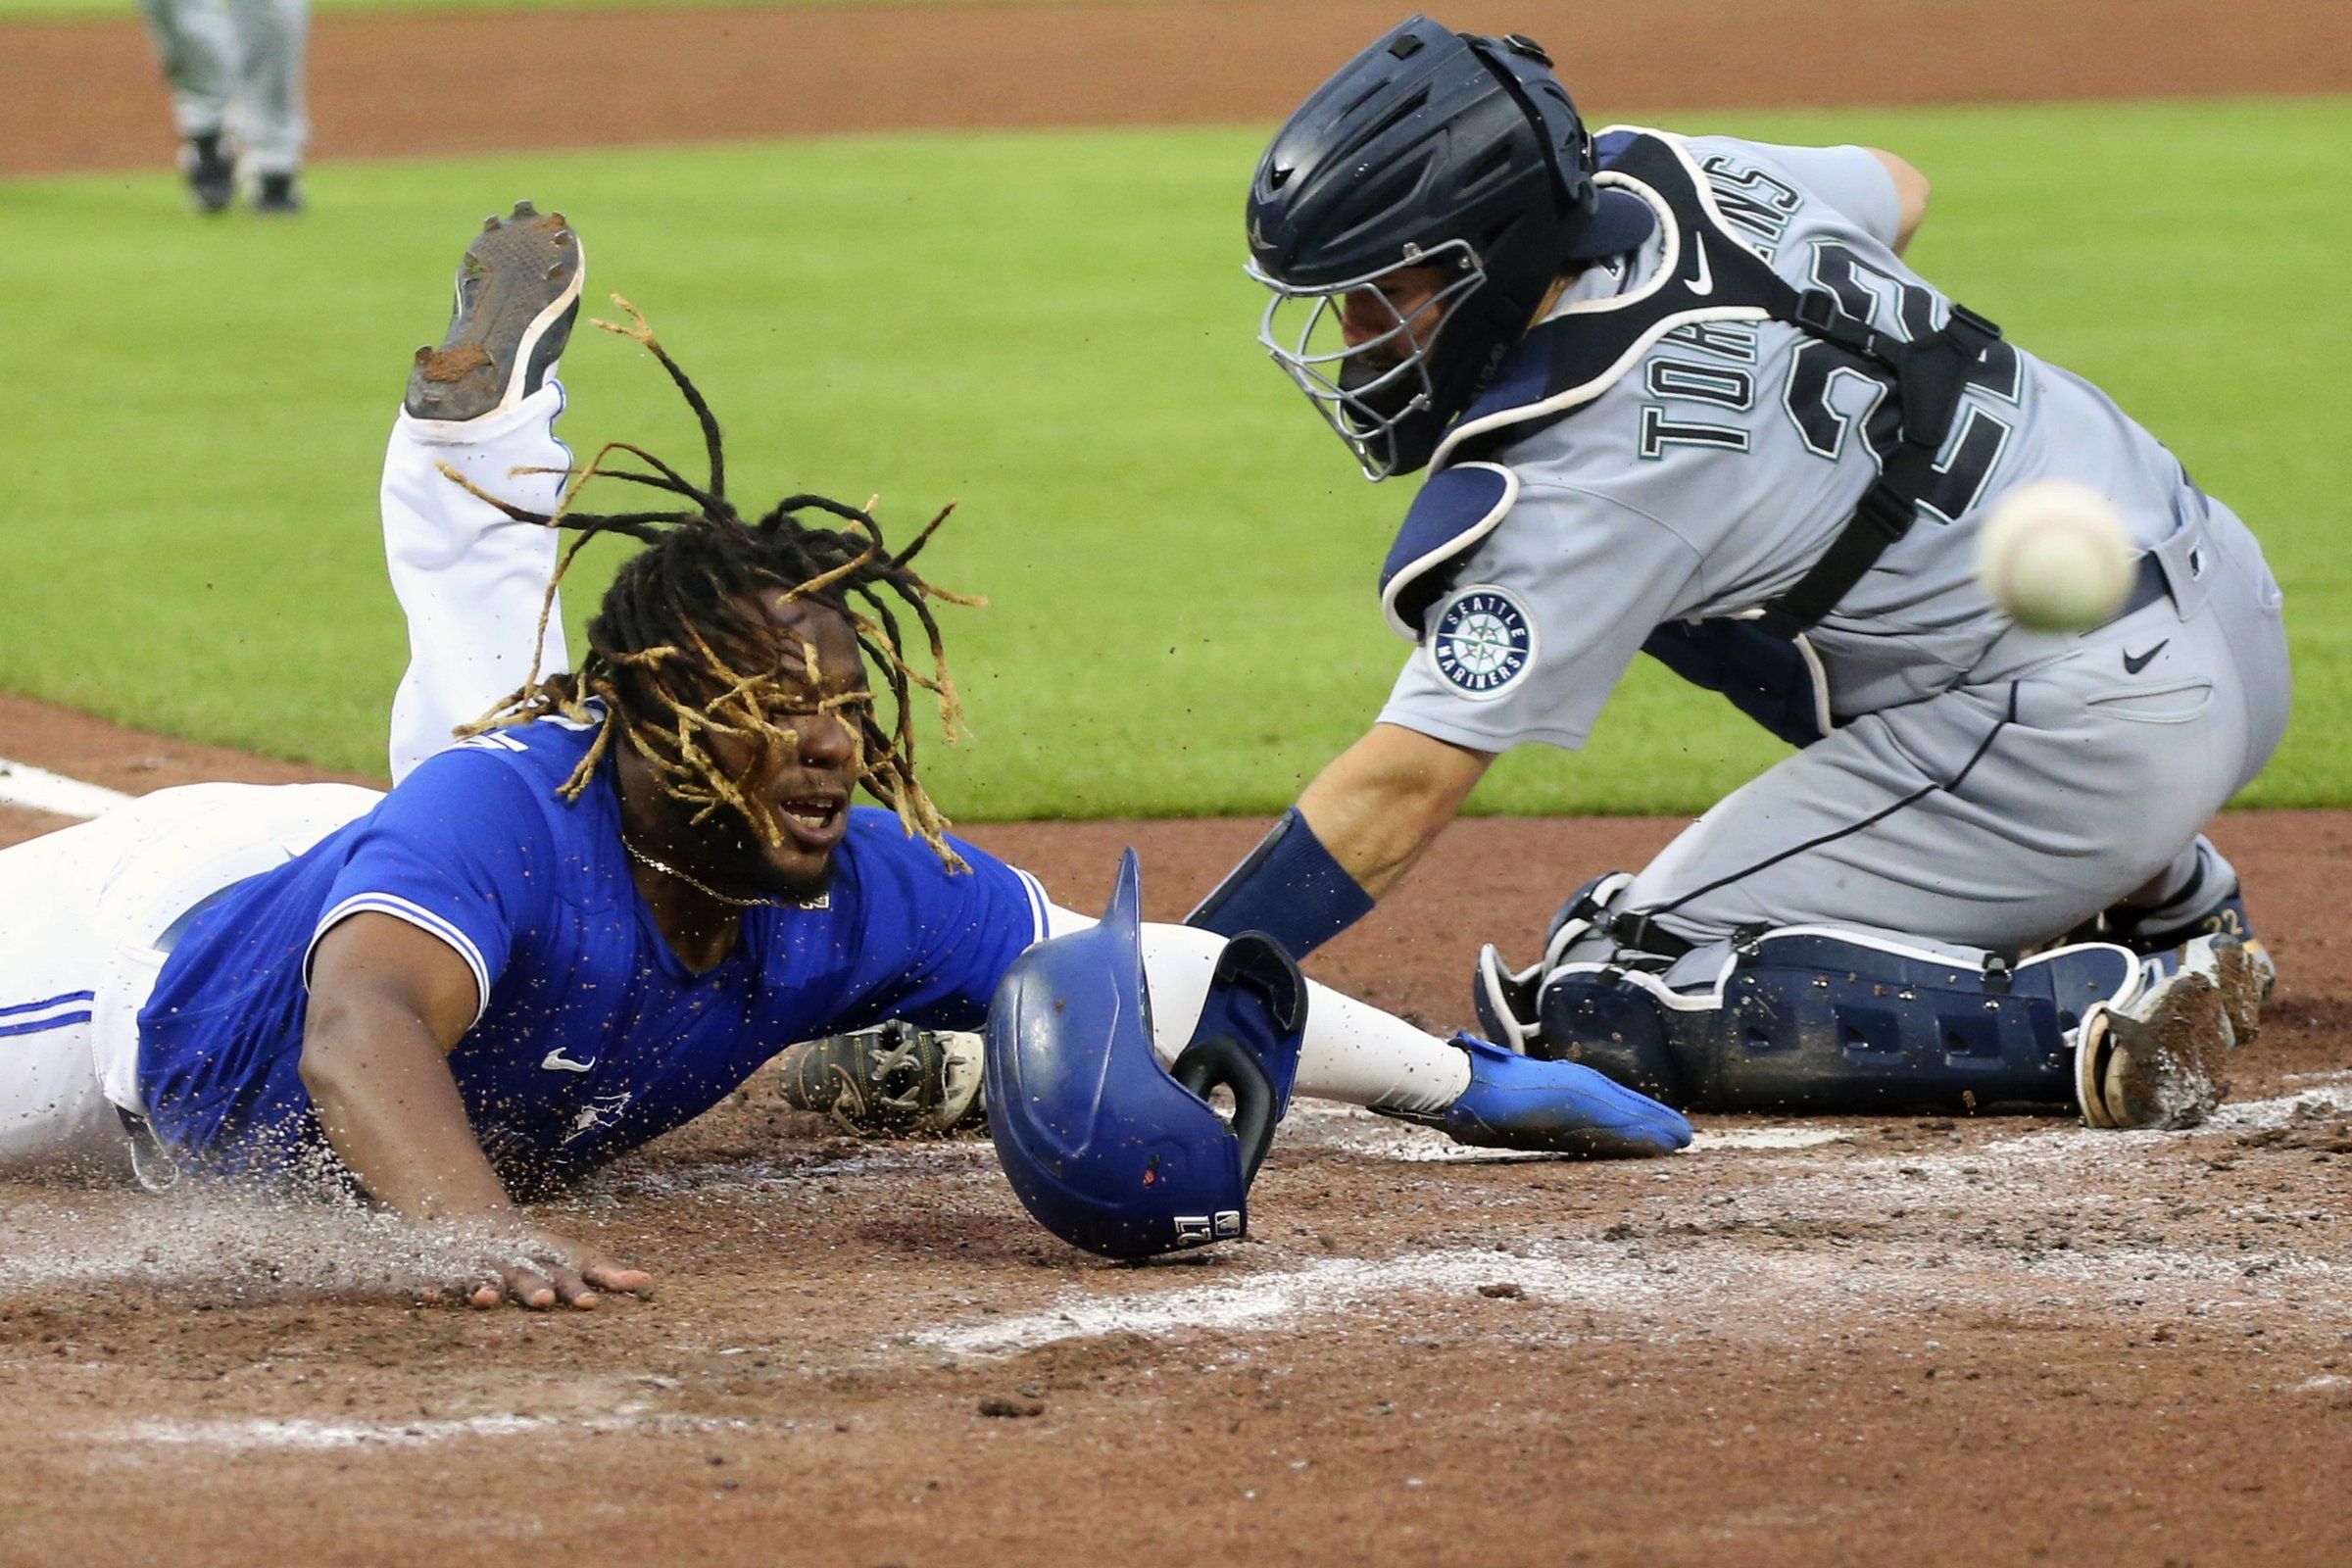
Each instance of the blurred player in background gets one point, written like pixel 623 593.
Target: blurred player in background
pixel 236 70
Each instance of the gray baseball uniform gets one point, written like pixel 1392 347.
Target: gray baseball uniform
pixel 236 67
pixel 1975 785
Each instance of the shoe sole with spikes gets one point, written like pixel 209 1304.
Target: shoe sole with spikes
pixel 2243 973
pixel 518 291
pixel 894 1081
pixel 2158 1072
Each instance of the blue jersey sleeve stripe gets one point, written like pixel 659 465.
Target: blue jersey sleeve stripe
pixel 46 1004
pixel 42 1025
pixel 414 914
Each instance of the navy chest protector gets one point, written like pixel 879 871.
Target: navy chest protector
pixel 1761 662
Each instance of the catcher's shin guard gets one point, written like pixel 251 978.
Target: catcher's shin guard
pixel 1814 1019
pixel 1505 998
pixel 1616 1029
pixel 893 1081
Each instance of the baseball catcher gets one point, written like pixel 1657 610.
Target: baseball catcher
pixel 630 883
pixel 1683 396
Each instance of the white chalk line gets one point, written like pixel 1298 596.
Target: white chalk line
pixel 1765 1295
pixel 1767 1138
pixel 303 1433
pixel 1282 1296
pixel 39 790
pixel 1345 1127
pixel 1759 1296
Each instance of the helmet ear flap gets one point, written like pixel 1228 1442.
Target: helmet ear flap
pixel 1252 1028
pixel 1220 1062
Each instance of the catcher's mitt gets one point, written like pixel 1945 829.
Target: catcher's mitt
pixel 894 1081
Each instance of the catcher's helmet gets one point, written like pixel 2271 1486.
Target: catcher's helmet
pixel 1430 148
pixel 1108 1149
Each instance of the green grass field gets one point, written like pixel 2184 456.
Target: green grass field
pixel 1053 330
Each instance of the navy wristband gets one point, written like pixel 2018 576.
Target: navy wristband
pixel 1290 888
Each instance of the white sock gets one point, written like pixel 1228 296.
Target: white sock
pixel 470 579
pixel 1354 1051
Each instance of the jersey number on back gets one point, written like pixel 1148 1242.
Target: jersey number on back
pixel 1874 295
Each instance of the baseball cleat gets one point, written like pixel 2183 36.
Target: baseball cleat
pixel 2225 920
pixel 894 1081
pixel 212 174
pixel 2156 1063
pixel 277 196
pixel 1558 1108
pixel 519 289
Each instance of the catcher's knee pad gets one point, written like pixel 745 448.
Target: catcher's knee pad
pixel 1505 998
pixel 1814 1018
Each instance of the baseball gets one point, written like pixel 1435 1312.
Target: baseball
pixel 2054 555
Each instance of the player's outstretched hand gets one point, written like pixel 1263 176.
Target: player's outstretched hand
pixel 540 1269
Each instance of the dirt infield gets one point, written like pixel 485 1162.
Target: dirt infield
pixel 2005 1340
pixel 1989 1340
pixel 84 95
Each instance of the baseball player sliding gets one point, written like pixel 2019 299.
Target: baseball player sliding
pixel 636 881
pixel 1683 396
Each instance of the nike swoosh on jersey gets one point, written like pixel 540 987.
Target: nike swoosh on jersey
pixel 2132 666
pixel 555 1061
pixel 1705 282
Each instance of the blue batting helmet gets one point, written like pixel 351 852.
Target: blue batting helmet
pixel 1438 149
pixel 1108 1149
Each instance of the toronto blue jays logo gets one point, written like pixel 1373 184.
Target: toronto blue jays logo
pixel 1484 641
pixel 601 1111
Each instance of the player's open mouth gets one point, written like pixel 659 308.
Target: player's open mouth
pixel 817 820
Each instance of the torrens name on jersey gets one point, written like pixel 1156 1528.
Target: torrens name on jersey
pixel 1484 641
pixel 1751 201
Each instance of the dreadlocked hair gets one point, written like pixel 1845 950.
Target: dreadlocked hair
pixel 681 652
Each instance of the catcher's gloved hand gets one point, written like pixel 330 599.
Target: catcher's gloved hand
pixel 895 1081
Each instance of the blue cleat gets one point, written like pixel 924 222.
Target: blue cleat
pixel 1558 1108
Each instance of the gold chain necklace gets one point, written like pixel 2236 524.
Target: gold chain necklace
pixel 703 888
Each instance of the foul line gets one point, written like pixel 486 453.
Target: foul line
pixel 38 790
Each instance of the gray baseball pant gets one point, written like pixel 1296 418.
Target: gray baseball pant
pixel 2007 811
pixel 236 67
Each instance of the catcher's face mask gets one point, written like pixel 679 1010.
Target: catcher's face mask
pixel 1108 1149
pixel 1430 147
pixel 1360 348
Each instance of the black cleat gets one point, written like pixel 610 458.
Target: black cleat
pixel 277 196
pixel 519 289
pixel 212 174
pixel 894 1081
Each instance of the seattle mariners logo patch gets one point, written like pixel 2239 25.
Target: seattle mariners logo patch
pixel 1484 641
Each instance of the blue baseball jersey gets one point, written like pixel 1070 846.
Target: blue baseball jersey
pixel 591 1035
